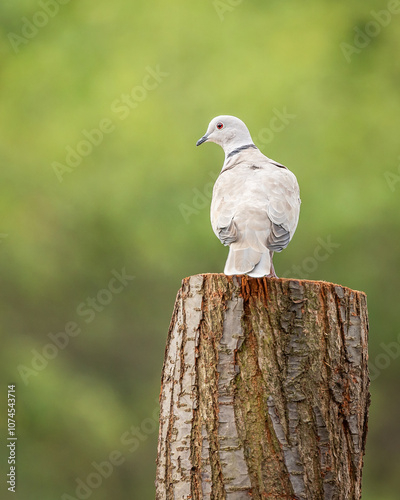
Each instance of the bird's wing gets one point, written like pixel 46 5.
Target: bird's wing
pixel 283 207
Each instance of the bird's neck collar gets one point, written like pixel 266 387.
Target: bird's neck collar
pixel 239 149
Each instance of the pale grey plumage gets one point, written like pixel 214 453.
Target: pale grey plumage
pixel 256 201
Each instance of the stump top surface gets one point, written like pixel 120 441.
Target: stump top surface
pixel 246 280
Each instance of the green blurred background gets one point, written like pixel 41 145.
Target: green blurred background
pixel 316 82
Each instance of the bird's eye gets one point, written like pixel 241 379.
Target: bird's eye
pixel 220 125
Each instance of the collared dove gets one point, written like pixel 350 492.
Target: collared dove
pixel 256 201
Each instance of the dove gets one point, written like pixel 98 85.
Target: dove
pixel 255 203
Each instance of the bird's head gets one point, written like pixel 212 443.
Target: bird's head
pixel 227 131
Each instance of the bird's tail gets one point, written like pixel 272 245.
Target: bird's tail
pixel 249 261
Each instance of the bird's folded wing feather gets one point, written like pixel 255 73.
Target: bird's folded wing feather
pixel 283 208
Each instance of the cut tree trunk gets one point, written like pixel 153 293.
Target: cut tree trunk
pixel 264 391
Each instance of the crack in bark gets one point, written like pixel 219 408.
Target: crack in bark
pixel 196 434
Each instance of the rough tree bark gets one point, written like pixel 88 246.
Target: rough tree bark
pixel 264 391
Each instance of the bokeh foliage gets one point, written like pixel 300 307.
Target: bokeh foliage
pixel 121 207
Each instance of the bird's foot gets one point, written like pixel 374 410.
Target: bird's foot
pixel 272 273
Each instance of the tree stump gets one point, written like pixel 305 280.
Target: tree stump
pixel 264 391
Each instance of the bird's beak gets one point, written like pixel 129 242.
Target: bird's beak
pixel 203 139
